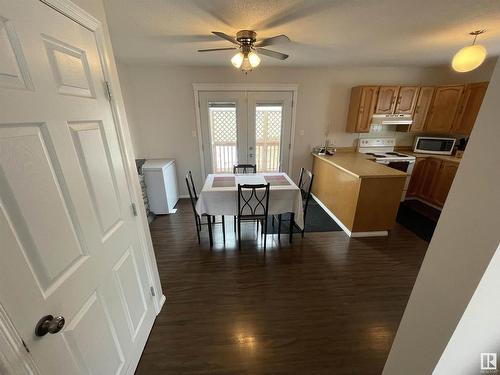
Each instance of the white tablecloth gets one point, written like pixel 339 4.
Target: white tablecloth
pixel 224 200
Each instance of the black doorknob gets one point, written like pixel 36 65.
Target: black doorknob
pixel 49 324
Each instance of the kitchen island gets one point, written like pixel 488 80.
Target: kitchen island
pixel 362 195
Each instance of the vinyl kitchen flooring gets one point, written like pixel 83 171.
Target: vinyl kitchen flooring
pixel 325 304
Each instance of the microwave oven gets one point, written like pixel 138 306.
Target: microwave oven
pixel 434 145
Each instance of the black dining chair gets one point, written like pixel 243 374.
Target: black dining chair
pixel 193 197
pixel 253 204
pixel 305 186
pixel 244 168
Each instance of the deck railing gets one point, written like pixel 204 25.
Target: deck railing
pixel 267 157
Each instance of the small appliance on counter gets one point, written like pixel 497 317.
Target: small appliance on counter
pixel 434 145
pixel 382 149
pixel 462 144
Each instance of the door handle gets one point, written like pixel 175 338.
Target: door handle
pixel 49 324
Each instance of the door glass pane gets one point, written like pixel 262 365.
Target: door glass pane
pixel 223 133
pixel 268 121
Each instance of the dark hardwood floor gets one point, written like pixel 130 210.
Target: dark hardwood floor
pixel 326 304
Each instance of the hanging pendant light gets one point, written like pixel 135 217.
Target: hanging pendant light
pixel 470 57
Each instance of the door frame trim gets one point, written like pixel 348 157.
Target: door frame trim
pixel 200 87
pixel 13 350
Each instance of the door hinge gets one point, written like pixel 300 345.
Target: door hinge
pixel 109 92
pixel 152 290
pixel 292 103
pixel 25 346
pixel 134 209
pixel 289 146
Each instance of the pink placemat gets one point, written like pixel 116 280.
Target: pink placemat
pixel 223 181
pixel 277 180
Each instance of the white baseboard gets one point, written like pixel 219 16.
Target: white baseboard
pixel 344 228
pixel 162 302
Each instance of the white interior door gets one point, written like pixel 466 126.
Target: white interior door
pixel 246 127
pixel 69 245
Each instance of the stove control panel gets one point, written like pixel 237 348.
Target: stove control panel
pixel 377 142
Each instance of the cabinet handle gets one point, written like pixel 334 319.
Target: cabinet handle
pixel 417 109
pixel 399 100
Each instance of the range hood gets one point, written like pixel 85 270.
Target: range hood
pixel 392 120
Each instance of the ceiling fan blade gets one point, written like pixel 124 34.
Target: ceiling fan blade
pixel 216 49
pixel 273 40
pixel 225 36
pixel 276 55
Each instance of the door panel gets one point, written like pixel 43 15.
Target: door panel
pixel 469 108
pixel 422 108
pixel 386 101
pixel 66 224
pixel 443 109
pixel 223 127
pixel 269 130
pixel 407 99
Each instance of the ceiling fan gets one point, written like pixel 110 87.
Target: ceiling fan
pixel 246 42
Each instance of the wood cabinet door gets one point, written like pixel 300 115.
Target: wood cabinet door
pixel 416 177
pixel 469 108
pixel 443 183
pixel 422 109
pixel 386 102
pixel 366 108
pixel 443 109
pixel 429 176
pixel 407 99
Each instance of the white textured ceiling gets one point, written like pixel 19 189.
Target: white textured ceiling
pixel 323 32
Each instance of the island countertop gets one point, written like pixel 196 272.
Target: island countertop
pixel 360 165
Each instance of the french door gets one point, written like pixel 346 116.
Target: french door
pixel 250 127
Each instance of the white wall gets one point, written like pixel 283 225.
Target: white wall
pixel 466 237
pixel 478 331
pixel 160 104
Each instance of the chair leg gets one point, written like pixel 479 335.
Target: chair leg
pixel 209 224
pixel 213 219
pixel 223 229
pixel 272 220
pixel 234 224
pixel 303 230
pixel 197 229
pixel 239 234
pixel 265 232
pixel 292 216
pixel 279 227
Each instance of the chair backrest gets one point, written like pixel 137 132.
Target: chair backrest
pixel 305 186
pixel 244 168
pixel 253 200
pixel 191 190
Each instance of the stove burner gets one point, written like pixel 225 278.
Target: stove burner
pixel 376 155
pixel 397 154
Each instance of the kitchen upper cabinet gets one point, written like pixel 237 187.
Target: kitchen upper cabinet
pixel 407 99
pixel 422 108
pixel 443 182
pixel 361 107
pixel 429 177
pixel 386 102
pixel 470 104
pixel 443 109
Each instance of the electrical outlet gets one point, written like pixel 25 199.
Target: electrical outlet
pixel 302 132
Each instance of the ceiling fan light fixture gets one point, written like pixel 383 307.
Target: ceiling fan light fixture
pixel 237 60
pixel 470 57
pixel 254 59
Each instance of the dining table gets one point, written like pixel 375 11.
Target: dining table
pixel 219 196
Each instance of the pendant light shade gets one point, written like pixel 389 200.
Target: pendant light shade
pixel 237 60
pixel 245 61
pixel 470 57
